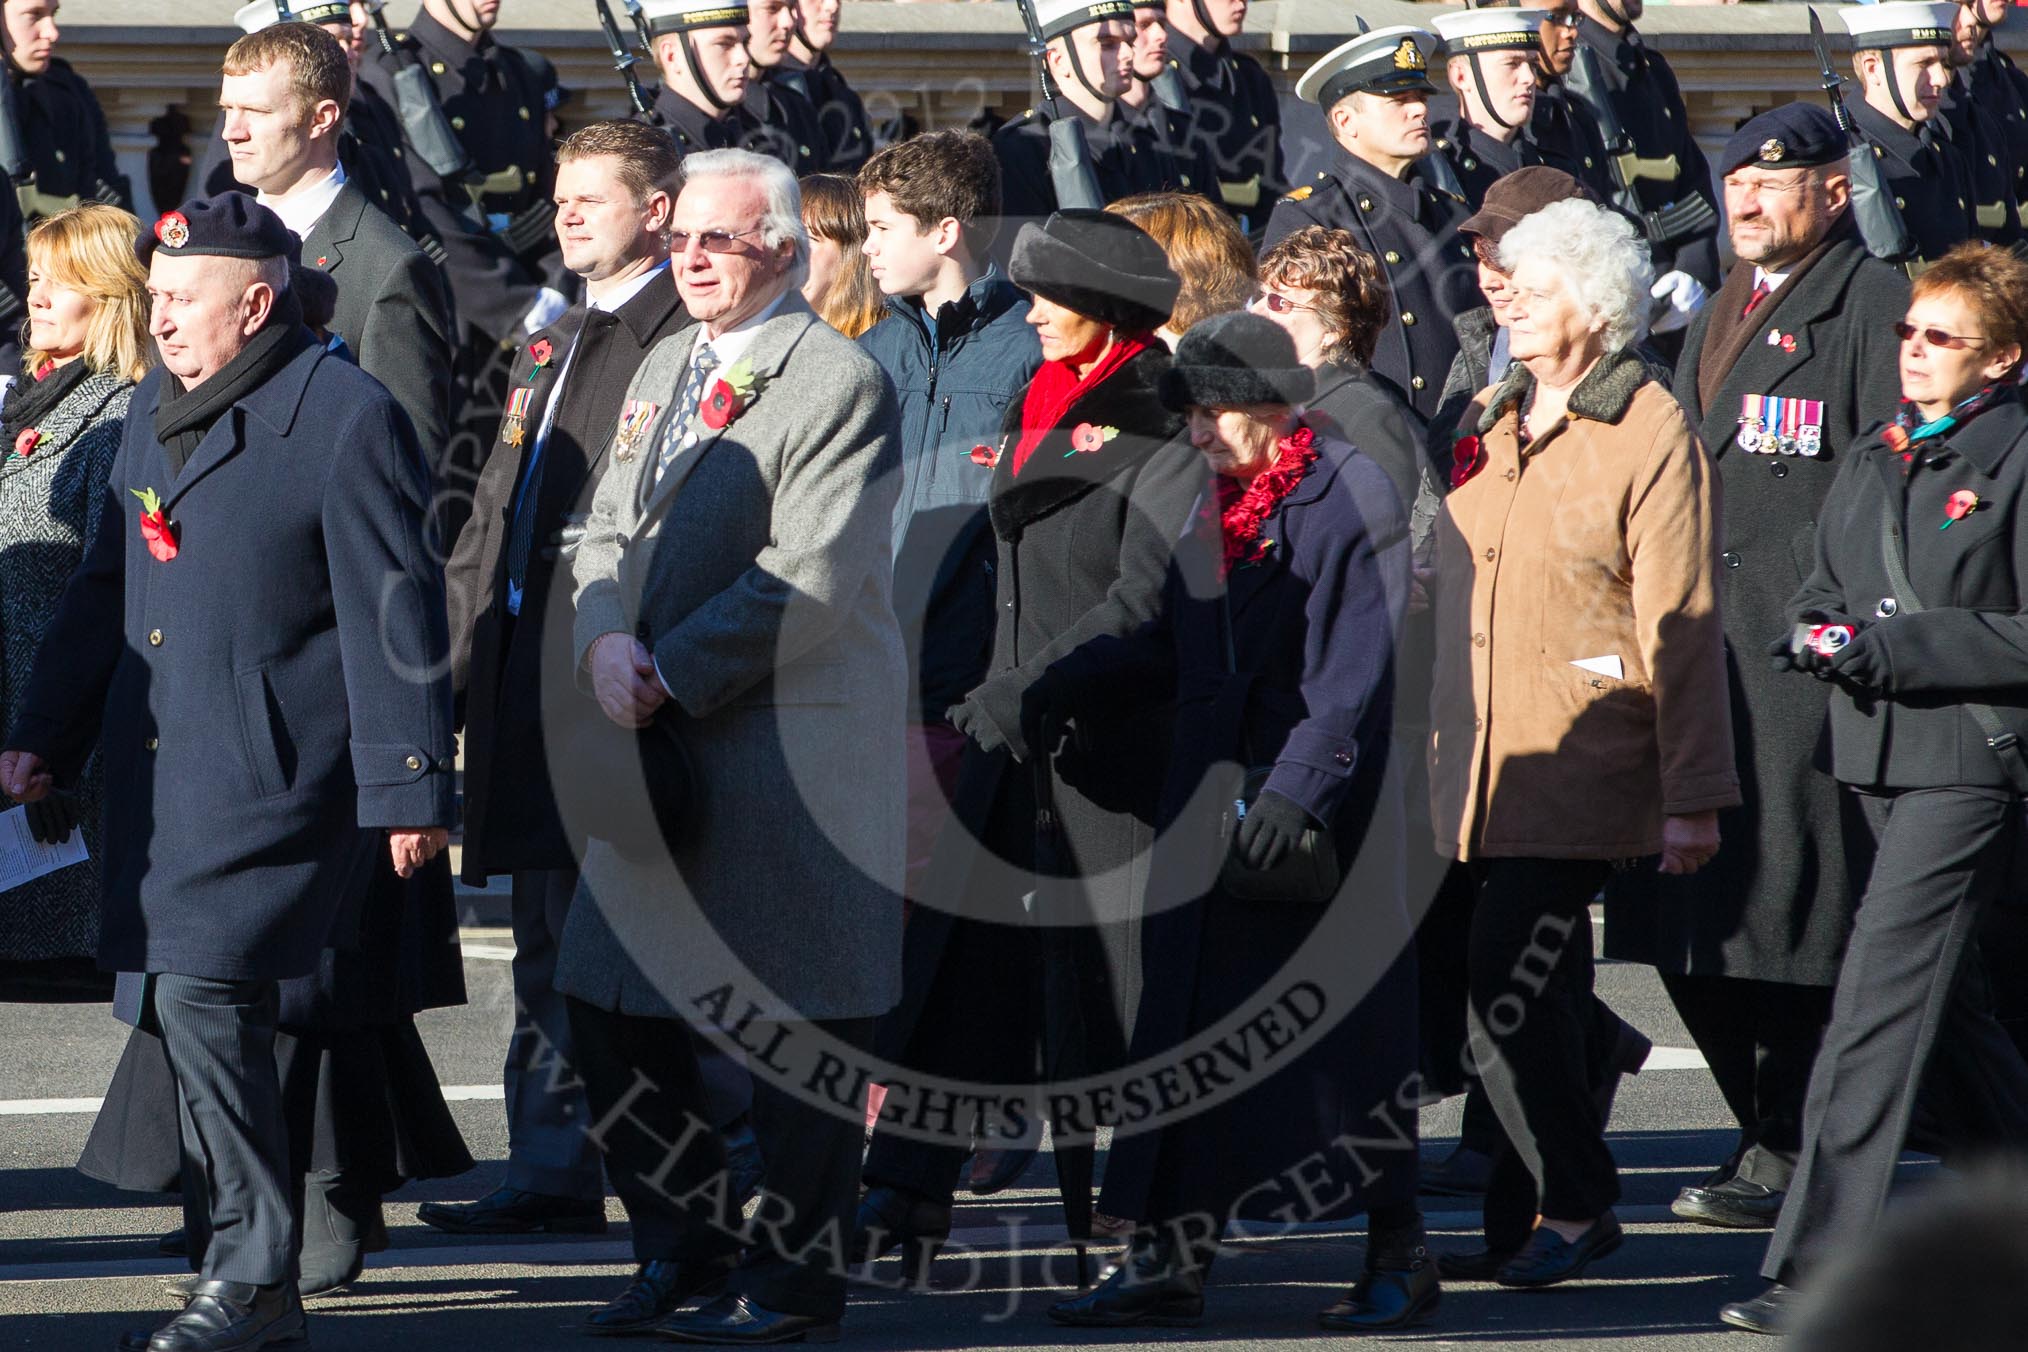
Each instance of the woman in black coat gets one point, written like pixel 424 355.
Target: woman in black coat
pixel 1917 612
pixel 1277 636
pixel 1023 953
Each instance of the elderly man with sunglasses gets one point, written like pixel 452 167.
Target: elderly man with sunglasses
pixel 735 621
pixel 1792 356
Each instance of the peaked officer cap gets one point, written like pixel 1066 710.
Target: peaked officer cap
pixel 1386 61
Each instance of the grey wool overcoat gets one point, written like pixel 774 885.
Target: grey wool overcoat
pixel 757 568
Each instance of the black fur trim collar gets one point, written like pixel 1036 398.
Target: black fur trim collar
pixel 1056 474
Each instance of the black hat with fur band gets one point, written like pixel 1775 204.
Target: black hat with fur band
pixel 1100 265
pixel 1235 360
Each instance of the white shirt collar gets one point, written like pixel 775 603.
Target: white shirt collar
pixel 731 345
pixel 1771 280
pixel 626 291
pixel 304 208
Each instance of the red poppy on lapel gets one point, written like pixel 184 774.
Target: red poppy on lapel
pixel 1468 457
pixel 721 406
pixel 156 528
pixel 1961 505
pixel 985 456
pixel 25 444
pixel 541 350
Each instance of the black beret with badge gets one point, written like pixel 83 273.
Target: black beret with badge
pixel 230 225
pixel 1793 136
pixel 1390 60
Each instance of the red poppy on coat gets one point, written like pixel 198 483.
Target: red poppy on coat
pixel 1961 505
pixel 1086 437
pixel 542 350
pixel 25 444
pixel 721 406
pixel 1468 457
pixel 985 456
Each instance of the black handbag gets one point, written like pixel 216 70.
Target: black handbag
pixel 1309 875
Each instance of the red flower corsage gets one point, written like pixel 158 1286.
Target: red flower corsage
pixel 1468 457
pixel 156 527
pixel 1961 505
pixel 1243 509
pixel 542 350
pixel 25 444
pixel 986 457
pixel 721 406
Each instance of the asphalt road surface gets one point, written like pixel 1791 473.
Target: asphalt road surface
pixel 78 1262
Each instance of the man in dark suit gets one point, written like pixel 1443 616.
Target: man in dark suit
pixel 1790 359
pixel 254 652
pixel 510 648
pixel 284 97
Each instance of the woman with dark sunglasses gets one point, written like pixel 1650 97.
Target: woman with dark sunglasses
pixel 1917 611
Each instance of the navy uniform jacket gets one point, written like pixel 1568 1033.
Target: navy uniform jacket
pixel 1978 133
pixel 1776 903
pixel 694 129
pixel 792 132
pixel 1570 139
pixel 272 698
pixel 1235 120
pixel 1930 181
pixel 1126 156
pixel 498 100
pixel 1413 230
pixel 1645 95
pixel 1196 171
pixel 70 152
pixel 1477 159
pixel 2002 90
pixel 847 135
pixel 1900 723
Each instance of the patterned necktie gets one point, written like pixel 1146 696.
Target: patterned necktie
pixel 1761 291
pixel 683 430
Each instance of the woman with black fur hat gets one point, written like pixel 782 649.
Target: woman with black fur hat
pixel 1024 952
pixel 1279 864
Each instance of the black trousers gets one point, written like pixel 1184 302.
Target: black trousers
pixel 652 1116
pixel 219 1037
pixel 1943 856
pixel 1532 1026
pixel 1760 1039
pixel 547 1149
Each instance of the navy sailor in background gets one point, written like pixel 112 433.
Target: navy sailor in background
pixel 258 638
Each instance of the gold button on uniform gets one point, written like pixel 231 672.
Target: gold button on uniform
pixel 1408 319
pixel 436 68
pixel 457 124
pixel 151 744
pixel 1366 204
pixel 1393 257
pixel 524 115
pixel 415 762
pixel 1415 382
pixel 154 638
pixel 59 157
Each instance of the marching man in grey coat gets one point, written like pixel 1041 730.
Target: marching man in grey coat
pixel 733 606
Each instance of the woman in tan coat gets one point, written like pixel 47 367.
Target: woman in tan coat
pixel 1579 712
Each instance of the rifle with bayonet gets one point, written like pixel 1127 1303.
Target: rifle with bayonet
pixel 1880 225
pixel 1689 215
pixel 415 99
pixel 624 62
pixel 1070 170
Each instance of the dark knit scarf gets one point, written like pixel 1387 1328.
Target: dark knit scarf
pixel 183 416
pixel 1910 429
pixel 1730 330
pixel 35 398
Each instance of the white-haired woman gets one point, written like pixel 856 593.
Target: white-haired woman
pixel 1579 711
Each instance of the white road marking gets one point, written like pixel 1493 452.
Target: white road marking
pixel 455 1093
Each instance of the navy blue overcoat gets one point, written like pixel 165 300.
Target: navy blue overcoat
pixel 271 698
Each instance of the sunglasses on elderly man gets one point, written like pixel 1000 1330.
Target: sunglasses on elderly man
pixel 711 241
pixel 1936 337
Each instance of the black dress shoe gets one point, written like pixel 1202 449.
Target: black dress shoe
pixel 658 1288
pixel 342 1223
pixel 895 1218
pixel 1156 1285
pixel 1400 1288
pixel 174 1244
pixel 509 1211
pixel 1735 1204
pixel 232 1317
pixel 1548 1258
pixel 1475 1265
pixel 1772 1311
pixel 1462 1173
pixel 735 1321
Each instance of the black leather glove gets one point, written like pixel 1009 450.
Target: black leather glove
pixel 1270 829
pixel 1045 709
pixel 52 819
pixel 1862 662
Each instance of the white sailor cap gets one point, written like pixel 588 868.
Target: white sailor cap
pixel 686 16
pixel 1057 17
pixel 1923 23
pixel 1465 31
pixel 266 13
pixel 1385 61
